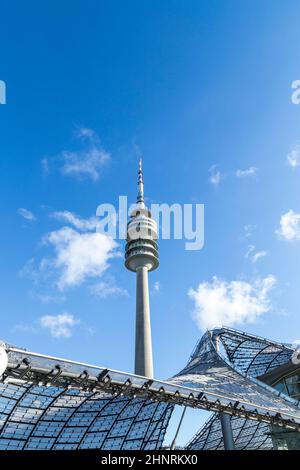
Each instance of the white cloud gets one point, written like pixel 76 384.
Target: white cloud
pixel 289 226
pixel 253 255
pixel 248 230
pixel 293 158
pixel 251 171
pixel 85 133
pixel 215 175
pixel 45 166
pixel 77 222
pixel 258 255
pixel 80 256
pixel 26 214
pixel 34 270
pixel 156 286
pixel 105 289
pixel 46 298
pixel 59 326
pixel 86 162
pixel 228 303
pixel 26 328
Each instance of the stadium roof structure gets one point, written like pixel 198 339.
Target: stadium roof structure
pixel 254 357
pixel 53 403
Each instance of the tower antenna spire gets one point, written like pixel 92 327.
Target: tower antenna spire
pixel 140 197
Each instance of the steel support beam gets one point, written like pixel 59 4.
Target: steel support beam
pixel 227 431
pixel 225 418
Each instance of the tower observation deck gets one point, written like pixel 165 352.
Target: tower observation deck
pixel 141 256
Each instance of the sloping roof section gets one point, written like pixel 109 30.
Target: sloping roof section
pixel 247 435
pixel 207 369
pixel 251 356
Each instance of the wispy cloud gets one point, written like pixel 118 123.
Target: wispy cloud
pixel 254 255
pixel 59 326
pixel 215 175
pixel 293 157
pixel 248 230
pixel 251 171
pixel 47 298
pixel 75 221
pixel 258 255
pixel 289 226
pixel 81 132
pixel 220 302
pixel 87 162
pixel 45 166
pixel 156 286
pixel 26 214
pixel 35 270
pixel 105 289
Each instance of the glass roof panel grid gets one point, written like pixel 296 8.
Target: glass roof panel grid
pixel 16 430
pixel 80 418
pixel 55 418
pixel 71 435
pixel 11 444
pixel 248 435
pixel 252 356
pixel 106 419
pixel 39 443
pixel 47 429
pixel 25 415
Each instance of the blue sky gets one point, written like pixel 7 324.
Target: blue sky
pixel 203 91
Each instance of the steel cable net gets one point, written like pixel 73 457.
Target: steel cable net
pixel 37 417
pixel 247 434
pixel 52 403
pixel 253 356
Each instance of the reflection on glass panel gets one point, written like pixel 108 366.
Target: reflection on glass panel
pixel 293 379
pixel 17 430
pixel 39 443
pixel 289 385
pixel 48 429
pixel 112 444
pixel 71 435
pixel 93 440
pixel 280 386
pixel 294 389
pixel 11 444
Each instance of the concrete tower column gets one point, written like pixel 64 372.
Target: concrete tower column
pixel 141 257
pixel 143 341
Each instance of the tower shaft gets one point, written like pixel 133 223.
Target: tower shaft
pixel 143 342
pixel 141 256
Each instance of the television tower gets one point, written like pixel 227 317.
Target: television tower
pixel 141 256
